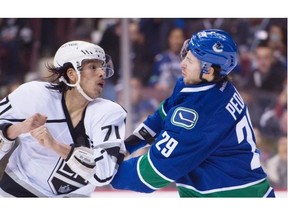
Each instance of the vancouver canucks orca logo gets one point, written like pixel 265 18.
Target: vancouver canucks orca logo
pixel 184 117
pixel 218 47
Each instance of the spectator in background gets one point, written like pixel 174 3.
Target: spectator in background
pixel 274 118
pixel 110 42
pixel 140 56
pixel 155 31
pixel 276 42
pixel 264 82
pixel 276 167
pixel 251 100
pixel 166 68
pixel 265 147
pixel 15 39
pixel 268 74
pixel 142 105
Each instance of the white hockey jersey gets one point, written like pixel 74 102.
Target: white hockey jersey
pixel 39 171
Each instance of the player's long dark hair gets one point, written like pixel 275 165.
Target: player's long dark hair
pixel 57 72
pixel 218 77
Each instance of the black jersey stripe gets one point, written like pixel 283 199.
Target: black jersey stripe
pixel 5 102
pixel 12 120
pixel 8 185
pixel 56 120
pixel 48 121
pixel 102 180
pixel 89 166
pixel 120 158
pixel 114 151
pixel 6 109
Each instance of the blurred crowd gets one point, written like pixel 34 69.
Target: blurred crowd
pixel 27 44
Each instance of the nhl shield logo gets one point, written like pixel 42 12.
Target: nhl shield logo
pixel 184 117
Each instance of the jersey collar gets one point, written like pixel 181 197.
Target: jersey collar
pixel 198 88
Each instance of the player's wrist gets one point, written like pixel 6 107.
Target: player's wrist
pixel 62 149
pixel 5 144
pixel 11 132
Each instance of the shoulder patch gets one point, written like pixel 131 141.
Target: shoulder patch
pixel 184 117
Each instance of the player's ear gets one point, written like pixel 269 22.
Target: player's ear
pixel 209 75
pixel 71 73
pixel 211 71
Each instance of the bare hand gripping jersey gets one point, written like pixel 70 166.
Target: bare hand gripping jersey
pixel 204 142
pixel 40 171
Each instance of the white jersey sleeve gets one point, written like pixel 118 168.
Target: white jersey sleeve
pixel 16 107
pixel 8 116
pixel 105 126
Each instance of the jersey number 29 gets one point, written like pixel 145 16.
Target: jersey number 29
pixel 171 143
pixel 245 124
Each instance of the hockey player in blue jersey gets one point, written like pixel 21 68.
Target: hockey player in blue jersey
pixel 201 136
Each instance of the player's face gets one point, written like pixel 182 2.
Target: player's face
pixel 92 78
pixel 191 68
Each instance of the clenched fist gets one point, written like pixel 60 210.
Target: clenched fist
pixel 43 136
pixel 26 126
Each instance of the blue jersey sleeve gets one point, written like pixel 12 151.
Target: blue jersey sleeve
pixel 127 177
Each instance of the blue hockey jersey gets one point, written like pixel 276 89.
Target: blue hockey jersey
pixel 204 142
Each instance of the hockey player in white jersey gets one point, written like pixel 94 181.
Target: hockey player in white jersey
pixel 70 140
